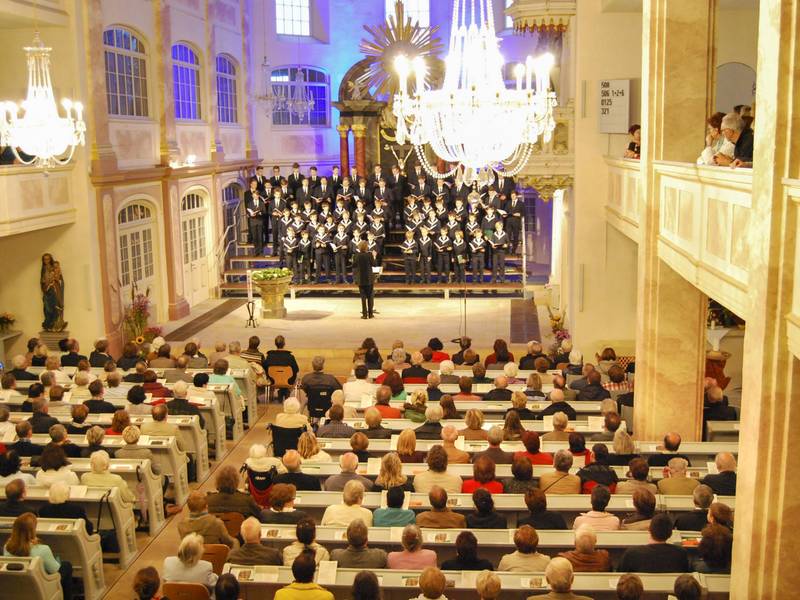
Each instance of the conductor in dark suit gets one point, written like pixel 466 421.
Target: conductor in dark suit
pixel 363 262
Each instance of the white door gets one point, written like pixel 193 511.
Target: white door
pixel 194 212
pixel 135 243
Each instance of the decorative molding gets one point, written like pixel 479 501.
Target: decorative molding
pixel 546 185
pixel 542 15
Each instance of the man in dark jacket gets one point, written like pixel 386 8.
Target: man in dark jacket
pixel 724 482
pixel 19 372
pixel 14 504
pixel 593 390
pixel 364 278
pixel 281 358
pixel 23 446
pixel 657 556
pixel 72 357
pixel 41 422
pixel 301 481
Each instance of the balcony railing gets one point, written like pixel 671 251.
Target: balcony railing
pixel 32 199
pixel 622 205
pixel 704 221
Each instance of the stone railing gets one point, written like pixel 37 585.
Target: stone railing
pixel 792 189
pixel 704 221
pixel 622 205
pixel 33 199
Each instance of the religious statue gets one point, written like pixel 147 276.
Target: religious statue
pixel 52 283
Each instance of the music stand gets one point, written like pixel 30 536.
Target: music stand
pixel 251 314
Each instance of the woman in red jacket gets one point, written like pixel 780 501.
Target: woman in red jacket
pixel 482 477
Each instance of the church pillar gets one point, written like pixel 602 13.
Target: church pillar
pixel 102 155
pixel 344 149
pixel 250 150
pixel 168 139
pixel 216 150
pixel 360 133
pixel 765 542
pixel 678 41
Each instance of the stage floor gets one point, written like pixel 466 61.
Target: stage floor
pixel 336 324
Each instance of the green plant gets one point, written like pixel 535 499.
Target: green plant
pixel 270 274
pixel 136 316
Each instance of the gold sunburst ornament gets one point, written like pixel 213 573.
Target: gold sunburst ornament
pixel 395 37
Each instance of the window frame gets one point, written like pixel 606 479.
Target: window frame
pixel 232 93
pixel 179 66
pixel 294 6
pixel 134 56
pixel 136 232
pixel 411 12
pixel 326 85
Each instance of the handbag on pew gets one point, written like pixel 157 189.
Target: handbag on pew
pixel 108 537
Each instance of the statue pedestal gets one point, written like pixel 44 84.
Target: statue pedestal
pixel 51 338
pixel 272 293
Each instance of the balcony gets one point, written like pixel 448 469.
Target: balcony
pixel 552 165
pixel 704 220
pixel 35 200
pixel 622 208
pixel 792 190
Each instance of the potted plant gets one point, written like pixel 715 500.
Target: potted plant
pixel 273 284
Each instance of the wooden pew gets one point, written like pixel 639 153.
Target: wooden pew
pixel 166 455
pixel 510 505
pixel 722 431
pixel 29 583
pixel 118 519
pixel 588 427
pixel 192 437
pixel 497 407
pixel 135 472
pixel 68 540
pixel 262 582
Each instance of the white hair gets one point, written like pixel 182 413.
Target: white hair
pixel 348 462
pixel 81 378
pixel 258 451
pixel 157 343
pixel 575 357
pixel 446 367
pixel 559 574
pixel 557 395
pixel 510 369
pixel 58 493
pixel 191 549
pixel 99 461
pixel 560 421
pixel 434 413
pixel 732 121
pixel 291 406
pixel 353 492
pixel 585 538
pixel 180 389
pixel 18 361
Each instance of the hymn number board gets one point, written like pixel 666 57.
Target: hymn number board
pixel 614 105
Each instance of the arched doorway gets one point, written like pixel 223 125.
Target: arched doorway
pixel 136 222
pixel 194 238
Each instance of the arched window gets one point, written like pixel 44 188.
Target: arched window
pixel 126 73
pixel 293 17
pixel 135 231
pixel 227 108
pixel 186 81
pixel 289 83
pixel 418 10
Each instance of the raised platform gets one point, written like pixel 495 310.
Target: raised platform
pixel 239 289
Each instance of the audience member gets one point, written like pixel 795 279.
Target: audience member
pixel 413 556
pixel 391 474
pixel 146 584
pixel 559 575
pixel 228 498
pixel 724 481
pixel 687 588
pixel 540 517
pixel 253 552
pixel 598 471
pixel 432 583
pixel 160 426
pixel 407 447
pixel 512 427
pixel 577 447
pixel 494 451
pixel 350 509
pixel 357 555
pixel 522 476
pixel 180 405
pixel 465 391
pixel 645 504
pixel 560 481
pixel 474 430
pixel 446 368
pixel 629 587
pixel 280 357
pixel 525 557
pixel 585 557
pixel 676 482
pixel 306 533
pixel 40 421
pixel 488 585
pixel 702 497
pixel 558 404
pixel 483 476
pixel 720 514
pixel 638 472
pixel 281 506
pixel 658 556
pixel 303 586
pixel 611 423
pixel 14 505
pixel 449 410
pixel 24 446
pixel 383 396
pixel 94 440
pixel 454 455
pixel 348 463
pixel 414 409
pixel 598 518
pixel 10 464
pixel 227 587
pixel 301 481
pixel 58 437
pixel 309 449
pixel 54 467
pixel 735 132
pixel 440 516
pixel 436 474
pixel 187 566
pixel 291 418
pixel 467 555
pixel 668 451
pixel 394 515
pixel 714 551
pixel 366 586
pixel 484 516
pixel 100 476
pixel 201 522
pixel 335 428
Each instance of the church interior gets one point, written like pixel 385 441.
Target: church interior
pixel 394 299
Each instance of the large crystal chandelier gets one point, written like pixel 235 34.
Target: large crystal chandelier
pixel 474 121
pixel 40 136
pixel 291 95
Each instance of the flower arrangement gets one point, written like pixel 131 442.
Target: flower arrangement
pixel 136 316
pixel 6 320
pixel 271 274
pixel 560 332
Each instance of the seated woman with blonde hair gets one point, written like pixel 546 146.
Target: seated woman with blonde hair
pixel 391 474
pixel 407 447
pixel 309 449
pixel 187 566
pixel 474 426
pixel 533 386
pixel 414 409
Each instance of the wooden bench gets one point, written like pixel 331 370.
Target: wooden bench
pixel 68 540
pixel 118 519
pixel 398 584
pixel 32 582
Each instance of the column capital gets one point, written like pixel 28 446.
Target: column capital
pixel 359 130
pixel 343 130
